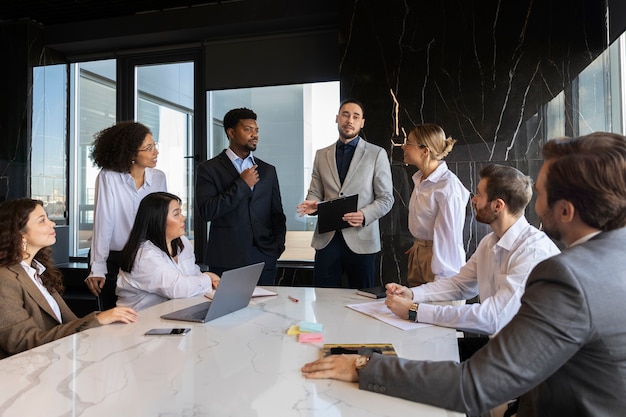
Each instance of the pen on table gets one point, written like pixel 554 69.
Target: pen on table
pixel 294 299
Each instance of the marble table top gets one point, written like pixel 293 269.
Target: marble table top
pixel 243 364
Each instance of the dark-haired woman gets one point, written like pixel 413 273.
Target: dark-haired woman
pixel 127 155
pixel 158 262
pixel 31 310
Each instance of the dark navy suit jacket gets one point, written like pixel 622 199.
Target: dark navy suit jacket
pixel 240 217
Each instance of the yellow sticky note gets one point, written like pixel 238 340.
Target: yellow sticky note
pixel 293 330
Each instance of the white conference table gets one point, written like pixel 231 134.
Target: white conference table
pixel 243 364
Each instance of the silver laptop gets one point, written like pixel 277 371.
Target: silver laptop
pixel 233 293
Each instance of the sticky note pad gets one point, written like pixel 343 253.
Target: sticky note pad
pixel 293 330
pixel 310 337
pixel 309 327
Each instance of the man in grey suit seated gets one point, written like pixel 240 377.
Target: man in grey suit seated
pixel 565 350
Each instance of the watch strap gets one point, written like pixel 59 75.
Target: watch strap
pixel 413 312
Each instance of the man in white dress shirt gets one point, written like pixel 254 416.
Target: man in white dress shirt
pixel 496 272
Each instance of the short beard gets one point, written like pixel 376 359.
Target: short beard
pixel 482 217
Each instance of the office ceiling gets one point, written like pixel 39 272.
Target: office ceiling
pixel 52 12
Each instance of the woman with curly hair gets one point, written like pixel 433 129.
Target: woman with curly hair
pixel 436 209
pixel 32 311
pixel 127 154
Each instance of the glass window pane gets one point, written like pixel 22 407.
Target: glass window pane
pixel 94 87
pixel 165 104
pixel 48 165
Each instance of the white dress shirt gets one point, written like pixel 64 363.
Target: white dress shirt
pixel 437 212
pixel 115 206
pixel 34 274
pixel 497 272
pixel 156 277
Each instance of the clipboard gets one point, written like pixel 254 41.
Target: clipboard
pixel 329 213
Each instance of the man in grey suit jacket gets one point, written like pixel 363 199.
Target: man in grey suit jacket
pixel 565 350
pixel 349 166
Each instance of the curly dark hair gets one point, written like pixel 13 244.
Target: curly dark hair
pixel 232 118
pixel 13 220
pixel 115 147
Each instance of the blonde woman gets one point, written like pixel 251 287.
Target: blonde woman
pixel 436 208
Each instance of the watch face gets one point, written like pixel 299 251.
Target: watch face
pixel 361 361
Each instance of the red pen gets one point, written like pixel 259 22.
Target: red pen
pixel 294 299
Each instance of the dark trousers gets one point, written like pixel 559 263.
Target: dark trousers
pixel 336 259
pixel 269 270
pixel 470 345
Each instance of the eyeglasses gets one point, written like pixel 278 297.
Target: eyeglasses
pixel 150 148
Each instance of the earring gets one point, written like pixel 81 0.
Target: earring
pixel 24 244
pixel 132 162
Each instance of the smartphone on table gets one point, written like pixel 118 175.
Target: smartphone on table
pixel 170 331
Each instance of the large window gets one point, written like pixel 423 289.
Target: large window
pixel 93 108
pixel 48 163
pixel 594 101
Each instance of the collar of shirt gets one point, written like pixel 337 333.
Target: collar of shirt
pixel 585 238
pixel 147 179
pixel 510 236
pixel 352 143
pixel 35 270
pixel 233 156
pixel 434 176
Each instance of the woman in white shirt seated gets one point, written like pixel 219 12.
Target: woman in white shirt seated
pixel 158 262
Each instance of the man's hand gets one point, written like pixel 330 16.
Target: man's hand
pixel 399 305
pixel 307 207
pixel 354 219
pixel 340 367
pixel 95 284
pixel 397 289
pixel 250 176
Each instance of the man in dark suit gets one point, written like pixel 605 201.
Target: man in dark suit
pixel 240 196
pixel 564 352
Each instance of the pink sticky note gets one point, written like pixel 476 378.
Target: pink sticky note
pixel 310 337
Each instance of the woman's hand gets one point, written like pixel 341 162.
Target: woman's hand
pixel 121 314
pixel 215 279
pixel 95 284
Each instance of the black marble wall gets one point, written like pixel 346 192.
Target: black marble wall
pixel 480 69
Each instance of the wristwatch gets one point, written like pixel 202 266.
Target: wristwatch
pixel 413 312
pixel 360 362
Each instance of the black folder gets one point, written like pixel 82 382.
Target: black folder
pixel 329 213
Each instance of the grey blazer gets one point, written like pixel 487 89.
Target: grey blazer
pixel 26 318
pixel 369 176
pixel 564 352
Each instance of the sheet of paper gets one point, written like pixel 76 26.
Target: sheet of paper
pixel 379 311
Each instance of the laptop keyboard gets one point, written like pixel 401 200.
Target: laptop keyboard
pixel 199 315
